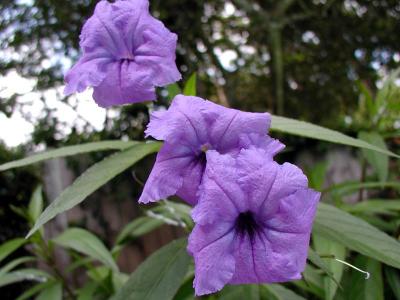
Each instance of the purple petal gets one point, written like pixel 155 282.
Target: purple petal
pixel 126 54
pixel 227 125
pixel 125 83
pixel 296 212
pixel 212 248
pixel 262 142
pixel 166 176
pixel 182 123
pixel 192 177
pixel 220 196
pixel 258 262
pixel 88 71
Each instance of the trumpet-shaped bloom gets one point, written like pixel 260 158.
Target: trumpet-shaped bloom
pixel 126 54
pixel 253 221
pixel 190 127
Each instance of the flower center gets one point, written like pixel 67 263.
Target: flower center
pixel 246 224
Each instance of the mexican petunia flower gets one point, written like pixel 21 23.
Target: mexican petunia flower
pixel 126 54
pixel 253 221
pixel 189 128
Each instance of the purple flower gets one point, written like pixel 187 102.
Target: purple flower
pixel 190 127
pixel 253 221
pixel 126 54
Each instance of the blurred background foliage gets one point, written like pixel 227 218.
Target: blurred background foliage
pixel 303 59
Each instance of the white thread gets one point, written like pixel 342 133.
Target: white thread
pixel 367 275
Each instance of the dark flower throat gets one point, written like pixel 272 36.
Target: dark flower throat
pixel 246 224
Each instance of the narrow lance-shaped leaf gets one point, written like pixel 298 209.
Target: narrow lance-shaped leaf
pixel 356 234
pixel 279 292
pixel 22 275
pixel 159 276
pixel 190 86
pixel 393 278
pixel 15 263
pixel 350 187
pixel 10 246
pixel 378 161
pixel 29 293
pixel 52 292
pixel 317 260
pixel 35 204
pixel 67 151
pixel 361 289
pixel 92 179
pixel 312 131
pixel 138 227
pixel 324 245
pixel 85 242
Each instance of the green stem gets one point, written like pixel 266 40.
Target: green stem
pixel 51 263
pixel 275 35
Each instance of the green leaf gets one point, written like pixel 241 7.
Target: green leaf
pixel 67 151
pixel 87 243
pixel 326 246
pixel 279 292
pixel 313 281
pixel 317 260
pixel 316 175
pixel 92 179
pixel 186 290
pixel 22 275
pixel 366 289
pixel 356 234
pixel 190 86
pixel 10 246
pixel 393 278
pixel 379 161
pixel 172 213
pixel 374 206
pixel 52 292
pixel 35 207
pixel 137 228
pixel 239 292
pixel 350 187
pixel 159 276
pixel 33 291
pixel 87 291
pixel 173 90
pixel 312 131
pixel 15 263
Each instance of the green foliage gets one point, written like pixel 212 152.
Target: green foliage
pixel 35 207
pixel 356 234
pixel 312 131
pixel 279 292
pixel 173 90
pixel 23 274
pixel 85 242
pixel 160 276
pixel 10 246
pixel 378 161
pixel 190 86
pixel 94 178
pixel 137 228
pixel 393 279
pixel 15 263
pixel 68 151
pixel 51 292
pixel 371 289
pixel 326 246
